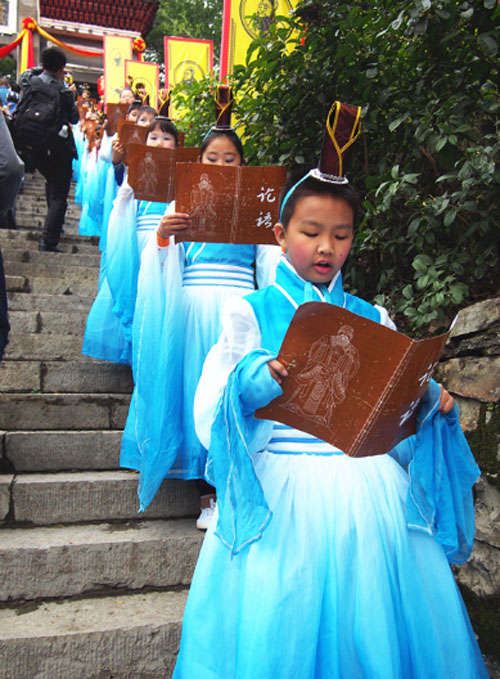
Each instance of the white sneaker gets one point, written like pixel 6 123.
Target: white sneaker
pixel 205 517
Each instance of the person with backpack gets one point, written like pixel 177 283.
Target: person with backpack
pixel 43 135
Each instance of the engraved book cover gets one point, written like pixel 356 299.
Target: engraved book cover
pixel 229 204
pixel 130 133
pixel 352 382
pixel 114 113
pixel 151 171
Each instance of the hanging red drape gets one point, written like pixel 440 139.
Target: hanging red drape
pixel 26 38
pixel 7 49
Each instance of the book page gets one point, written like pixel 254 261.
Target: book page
pixel 114 113
pixel 229 204
pixel 152 170
pixel 206 193
pixel 258 209
pixel 396 420
pixel 351 381
pixel 130 133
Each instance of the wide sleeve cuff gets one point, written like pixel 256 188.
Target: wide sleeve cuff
pixel 442 472
pixel 235 437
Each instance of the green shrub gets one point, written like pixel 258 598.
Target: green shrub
pixel 426 75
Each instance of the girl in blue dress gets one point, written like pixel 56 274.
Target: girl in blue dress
pixel 108 334
pixel 186 285
pixel 318 565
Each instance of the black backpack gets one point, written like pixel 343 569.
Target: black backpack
pixel 38 116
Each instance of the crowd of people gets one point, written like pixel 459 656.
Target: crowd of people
pixel 315 565
pixel 9 96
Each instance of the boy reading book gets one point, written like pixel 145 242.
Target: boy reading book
pixel 315 565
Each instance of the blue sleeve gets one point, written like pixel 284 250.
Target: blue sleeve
pixel 235 436
pixel 442 471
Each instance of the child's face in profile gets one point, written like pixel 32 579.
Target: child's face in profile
pixel 160 139
pixel 221 151
pixel 145 118
pixel 319 237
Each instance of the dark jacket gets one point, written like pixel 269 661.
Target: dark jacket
pixel 68 109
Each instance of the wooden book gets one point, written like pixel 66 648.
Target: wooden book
pixel 130 133
pixel 229 204
pixel 351 382
pixel 114 113
pixel 151 170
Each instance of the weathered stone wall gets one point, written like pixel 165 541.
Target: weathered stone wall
pixel 470 370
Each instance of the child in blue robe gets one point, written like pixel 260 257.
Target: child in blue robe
pixel 185 285
pixel 93 188
pixel 108 333
pixel 318 565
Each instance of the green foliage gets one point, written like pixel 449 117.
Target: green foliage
pixel 200 19
pixel 426 74
pixel 8 68
pixel 196 118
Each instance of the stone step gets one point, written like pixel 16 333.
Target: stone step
pixel 81 497
pixel 43 346
pixel 53 286
pixel 51 268
pixel 16 284
pixel 27 238
pixel 48 322
pixel 59 561
pixel 32 211
pixel 63 303
pixel 33 198
pixel 22 412
pixel 80 376
pixel 131 636
pixel 11 258
pixel 52 451
pixel 58 286
pixel 33 221
pixel 6 481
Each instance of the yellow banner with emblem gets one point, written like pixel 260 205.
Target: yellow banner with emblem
pixel 244 21
pixel 186 60
pixel 143 77
pixel 117 50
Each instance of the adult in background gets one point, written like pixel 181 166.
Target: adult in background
pixel 11 174
pixel 4 90
pixel 54 157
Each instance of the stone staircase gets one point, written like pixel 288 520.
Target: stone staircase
pixel 90 589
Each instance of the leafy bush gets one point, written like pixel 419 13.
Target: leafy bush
pixel 426 74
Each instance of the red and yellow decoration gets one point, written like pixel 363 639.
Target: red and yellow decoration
pixel 25 38
pixel 139 47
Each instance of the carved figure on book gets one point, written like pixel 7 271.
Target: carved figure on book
pixel 332 362
pixel 148 180
pixel 203 196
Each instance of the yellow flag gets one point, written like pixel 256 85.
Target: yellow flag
pixel 143 73
pixel 186 60
pixel 116 52
pixel 239 28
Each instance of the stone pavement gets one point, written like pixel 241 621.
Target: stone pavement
pixel 89 587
